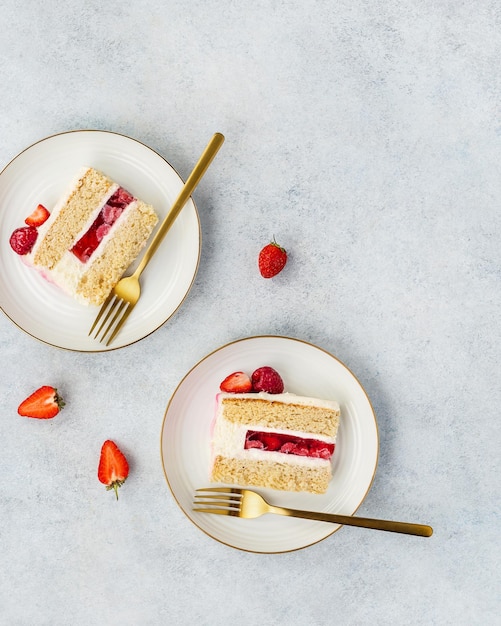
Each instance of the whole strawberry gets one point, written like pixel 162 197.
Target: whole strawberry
pixel 267 379
pixel 272 260
pixel 43 403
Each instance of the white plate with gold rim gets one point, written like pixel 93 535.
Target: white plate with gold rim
pixel 306 370
pixel 41 174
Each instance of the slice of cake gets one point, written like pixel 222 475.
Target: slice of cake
pixel 93 234
pixel 281 441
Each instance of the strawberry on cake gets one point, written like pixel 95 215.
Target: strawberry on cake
pixel 277 440
pixel 89 239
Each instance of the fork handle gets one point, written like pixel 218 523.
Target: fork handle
pixel 364 522
pixel 194 178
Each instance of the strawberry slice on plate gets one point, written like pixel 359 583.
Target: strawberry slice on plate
pixel 43 403
pixel 238 382
pixel 38 217
pixel 113 467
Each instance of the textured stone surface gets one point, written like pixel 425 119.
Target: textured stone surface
pixel 367 138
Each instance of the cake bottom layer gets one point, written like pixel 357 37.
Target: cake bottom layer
pixel 282 476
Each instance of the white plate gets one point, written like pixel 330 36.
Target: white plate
pixel 306 370
pixel 40 174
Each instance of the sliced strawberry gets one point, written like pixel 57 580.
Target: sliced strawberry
pixel 238 382
pixel 23 239
pixel 113 467
pixel 43 403
pixel 38 217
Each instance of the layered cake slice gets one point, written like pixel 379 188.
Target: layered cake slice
pixel 90 238
pixel 282 441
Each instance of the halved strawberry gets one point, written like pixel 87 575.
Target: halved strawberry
pixel 43 403
pixel 38 217
pixel 113 467
pixel 238 382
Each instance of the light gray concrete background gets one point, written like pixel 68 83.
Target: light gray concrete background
pixel 366 136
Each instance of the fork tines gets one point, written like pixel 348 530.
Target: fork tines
pixel 112 308
pixel 219 500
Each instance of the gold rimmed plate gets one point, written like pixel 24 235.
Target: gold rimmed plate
pixel 307 370
pixel 41 174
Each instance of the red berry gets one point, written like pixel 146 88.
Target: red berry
pixel 23 239
pixel 271 442
pixel 267 379
pixel 272 260
pixel 238 382
pixel 38 217
pixel 102 231
pixel 113 467
pixel 324 452
pixel 301 450
pixel 253 443
pixel 111 213
pixel 43 403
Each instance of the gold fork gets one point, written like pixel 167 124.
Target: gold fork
pixel 124 296
pixel 249 504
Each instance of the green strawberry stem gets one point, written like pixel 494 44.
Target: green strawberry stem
pixel 274 243
pixel 59 400
pixel 115 485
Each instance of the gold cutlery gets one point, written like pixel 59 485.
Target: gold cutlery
pixel 249 504
pixel 124 296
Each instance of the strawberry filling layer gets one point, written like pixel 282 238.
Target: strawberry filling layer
pixel 288 444
pixel 111 211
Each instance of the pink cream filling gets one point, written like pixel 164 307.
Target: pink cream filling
pixel 108 215
pixel 288 444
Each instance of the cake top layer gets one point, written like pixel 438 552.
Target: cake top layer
pixel 284 398
pixel 285 411
pixel 71 215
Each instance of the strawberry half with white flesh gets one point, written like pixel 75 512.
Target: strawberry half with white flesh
pixel 38 217
pixel 113 467
pixel 43 403
pixel 238 382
